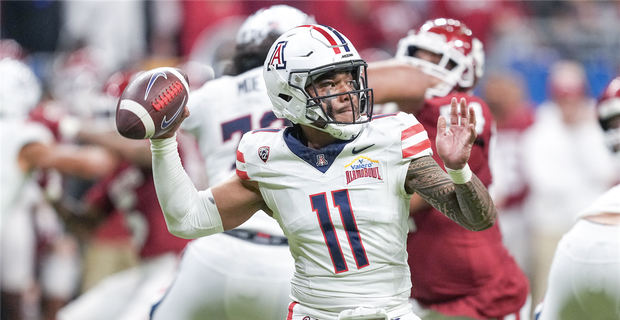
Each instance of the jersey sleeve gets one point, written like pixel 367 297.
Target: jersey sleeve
pixel 414 139
pixel 242 171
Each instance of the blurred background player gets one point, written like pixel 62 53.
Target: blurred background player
pixel 127 192
pixel 455 273
pixel 565 164
pixel 30 148
pixel 584 279
pixel 245 272
pixel 506 95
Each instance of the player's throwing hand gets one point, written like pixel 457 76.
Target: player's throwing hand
pixel 454 144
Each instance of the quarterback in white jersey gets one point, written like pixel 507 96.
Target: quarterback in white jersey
pixel 252 261
pixel 343 208
pixel 338 183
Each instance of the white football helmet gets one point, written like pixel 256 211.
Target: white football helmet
pixel 277 19
pixel 296 59
pixel 20 89
pixel 462 55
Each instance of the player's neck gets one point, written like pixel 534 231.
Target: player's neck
pixel 316 139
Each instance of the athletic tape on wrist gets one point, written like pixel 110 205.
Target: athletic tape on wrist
pixel 460 176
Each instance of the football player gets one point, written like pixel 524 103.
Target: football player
pixel 129 193
pixel 245 272
pixel 29 147
pixel 584 282
pixel 465 275
pixel 338 181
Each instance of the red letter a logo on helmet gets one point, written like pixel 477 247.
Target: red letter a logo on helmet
pixel 277 57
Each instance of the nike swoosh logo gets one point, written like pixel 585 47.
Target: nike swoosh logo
pixel 362 149
pixel 165 123
pixel 152 82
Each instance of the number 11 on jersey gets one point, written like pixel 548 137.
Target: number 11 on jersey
pixel 341 200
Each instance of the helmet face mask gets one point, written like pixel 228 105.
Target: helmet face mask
pixel 461 62
pixel 315 77
pixel 320 106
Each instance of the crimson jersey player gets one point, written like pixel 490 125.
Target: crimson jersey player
pixel 130 190
pixel 454 272
pixel 459 272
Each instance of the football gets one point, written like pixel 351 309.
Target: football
pixel 152 103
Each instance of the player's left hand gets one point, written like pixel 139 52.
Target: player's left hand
pixel 454 144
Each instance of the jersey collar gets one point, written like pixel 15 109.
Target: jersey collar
pixel 320 159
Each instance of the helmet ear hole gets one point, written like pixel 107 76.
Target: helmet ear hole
pixel 285 97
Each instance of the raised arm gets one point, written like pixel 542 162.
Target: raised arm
pixel 190 213
pixel 460 195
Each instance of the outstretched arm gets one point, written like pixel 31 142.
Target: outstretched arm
pixel 460 196
pixel 136 151
pixel 190 213
pixel 396 81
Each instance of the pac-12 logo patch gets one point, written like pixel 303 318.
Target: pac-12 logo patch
pixel 263 153
pixel 363 170
pixel 277 57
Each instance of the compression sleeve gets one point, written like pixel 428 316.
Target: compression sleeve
pixel 189 213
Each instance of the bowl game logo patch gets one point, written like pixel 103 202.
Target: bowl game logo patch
pixel 363 170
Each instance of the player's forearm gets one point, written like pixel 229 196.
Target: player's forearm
pixel 187 211
pixel 396 81
pixel 467 204
pixel 477 211
pixel 137 151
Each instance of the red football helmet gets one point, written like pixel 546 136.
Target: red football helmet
pixel 608 108
pixel 104 109
pixel 461 62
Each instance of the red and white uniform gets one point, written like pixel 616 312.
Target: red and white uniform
pixel 344 210
pixel 455 271
pixel 131 191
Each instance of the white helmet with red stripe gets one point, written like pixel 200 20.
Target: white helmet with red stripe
pixel 294 62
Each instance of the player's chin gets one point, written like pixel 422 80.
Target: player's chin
pixel 347 116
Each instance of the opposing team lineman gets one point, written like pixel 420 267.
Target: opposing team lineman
pixel 338 183
pixel 467 274
pixel 253 261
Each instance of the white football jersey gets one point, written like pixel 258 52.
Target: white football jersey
pixel 14 135
pixel 344 208
pixel 221 111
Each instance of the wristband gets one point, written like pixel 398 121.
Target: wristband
pixel 460 176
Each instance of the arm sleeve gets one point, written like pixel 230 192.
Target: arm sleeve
pixel 189 213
